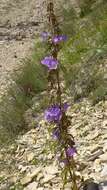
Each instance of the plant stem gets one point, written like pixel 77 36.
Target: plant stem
pixel 55 30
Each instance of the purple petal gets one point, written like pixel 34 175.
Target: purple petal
pixel 63 38
pixel 53 114
pixel 45 35
pixel 65 106
pixel 58 39
pixel 70 151
pixel 65 161
pixel 50 62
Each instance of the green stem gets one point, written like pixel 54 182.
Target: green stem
pixel 54 30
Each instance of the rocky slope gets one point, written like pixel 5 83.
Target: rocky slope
pixel 19 22
pixel 29 164
pixel 25 164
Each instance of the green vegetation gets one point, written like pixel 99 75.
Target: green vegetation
pixel 29 81
pixel 83 59
pixel 86 7
pixel 84 56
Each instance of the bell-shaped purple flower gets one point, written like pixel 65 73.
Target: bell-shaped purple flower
pixel 53 114
pixel 64 161
pixel 45 35
pixel 50 62
pixel 70 151
pixel 59 38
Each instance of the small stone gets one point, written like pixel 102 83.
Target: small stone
pixel 4 186
pixel 103 157
pixel 30 156
pixel 105 136
pixel 95 156
pixel 103 186
pixel 52 169
pixel 49 156
pixel 22 168
pixel 26 180
pixel 68 186
pixel 104 123
pixel 13 179
pixel 95 148
pixel 39 177
pixel 31 186
pixel 104 172
pixel 105 147
pixel 35 172
pixel 48 178
pixel 93 136
pixel 97 165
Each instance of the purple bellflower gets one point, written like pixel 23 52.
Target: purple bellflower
pixel 58 39
pixel 53 114
pixel 50 62
pixel 64 162
pixel 45 35
pixel 70 151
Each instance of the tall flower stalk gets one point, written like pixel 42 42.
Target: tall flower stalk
pixel 56 112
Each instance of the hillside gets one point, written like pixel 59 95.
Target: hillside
pixel 26 160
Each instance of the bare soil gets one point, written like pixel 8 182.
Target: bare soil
pixel 20 21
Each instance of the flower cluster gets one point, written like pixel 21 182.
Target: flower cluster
pixel 50 62
pixel 56 113
pixel 56 39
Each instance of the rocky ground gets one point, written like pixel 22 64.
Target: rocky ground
pixel 27 165
pixel 19 22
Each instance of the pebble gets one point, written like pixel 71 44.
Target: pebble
pixel 103 157
pixel 105 147
pixel 46 175
pixel 28 178
pixel 103 185
pixel 104 124
pixel 30 156
pixel 32 186
pixel 97 165
pixel 52 170
pixel 104 172
pixel 39 177
pixel 48 178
